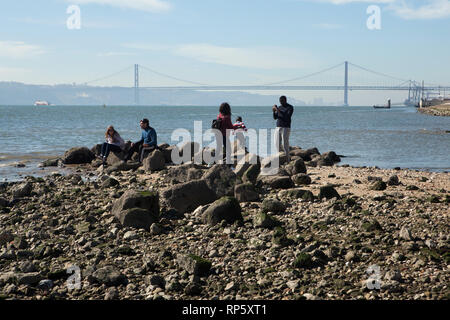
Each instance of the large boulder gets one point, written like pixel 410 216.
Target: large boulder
pixel 251 174
pixel 78 155
pixel 138 209
pixel 108 276
pixel 393 181
pixel 273 205
pixel 186 197
pixel 97 149
pixel 265 220
pixel 296 193
pixel 114 157
pixel 184 173
pixel 328 192
pixel 296 167
pixel 313 151
pixel 323 161
pixel 326 159
pixel 194 264
pixel 243 164
pixel 122 166
pixel 301 179
pixel 155 161
pixel 226 208
pixel 22 190
pixel 53 162
pixel 271 161
pixel 378 185
pixel 246 192
pixel 167 152
pixel 186 150
pixel 276 182
pixel 331 155
pixel 304 154
pixel 221 179
pixel 3 202
pixel 6 237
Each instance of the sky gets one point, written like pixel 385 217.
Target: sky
pixel 226 42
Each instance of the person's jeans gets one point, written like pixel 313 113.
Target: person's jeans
pixel 283 146
pixel 107 148
pixel 223 148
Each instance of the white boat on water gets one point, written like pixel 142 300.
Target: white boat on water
pixel 41 103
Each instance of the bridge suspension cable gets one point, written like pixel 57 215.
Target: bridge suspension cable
pixel 306 76
pixel 377 73
pixel 171 77
pixel 109 76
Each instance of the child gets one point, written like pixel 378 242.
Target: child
pixel 239 125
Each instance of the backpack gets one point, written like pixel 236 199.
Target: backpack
pixel 216 124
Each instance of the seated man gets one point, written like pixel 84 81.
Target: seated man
pixel 148 140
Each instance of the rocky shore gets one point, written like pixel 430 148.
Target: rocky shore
pixel 440 110
pixel 317 230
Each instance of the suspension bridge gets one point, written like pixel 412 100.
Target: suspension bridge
pixel 415 89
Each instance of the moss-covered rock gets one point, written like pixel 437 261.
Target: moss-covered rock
pixel 328 192
pixel 279 237
pixel 297 193
pixel 194 264
pixel 251 174
pixel 370 226
pixel 265 220
pixel 246 192
pixel 301 179
pixel 273 205
pixel 378 185
pixel 303 260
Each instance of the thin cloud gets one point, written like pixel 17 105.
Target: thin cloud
pixel 142 5
pixel 433 9
pixel 13 70
pixel 405 9
pixel 115 54
pixel 338 2
pixel 19 49
pixel 147 47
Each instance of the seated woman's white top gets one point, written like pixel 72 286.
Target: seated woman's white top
pixel 117 140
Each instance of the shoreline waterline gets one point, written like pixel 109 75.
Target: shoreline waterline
pixel 400 137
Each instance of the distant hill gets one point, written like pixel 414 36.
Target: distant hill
pixel 15 93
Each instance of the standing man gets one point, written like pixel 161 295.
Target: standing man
pixel 148 139
pixel 283 115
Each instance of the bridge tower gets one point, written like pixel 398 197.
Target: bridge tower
pixel 136 84
pixel 346 85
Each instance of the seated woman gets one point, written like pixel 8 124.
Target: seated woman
pixel 113 143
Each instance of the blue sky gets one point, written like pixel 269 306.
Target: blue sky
pixel 226 42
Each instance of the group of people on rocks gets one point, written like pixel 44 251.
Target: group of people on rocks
pixel 283 114
pixel 114 142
